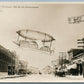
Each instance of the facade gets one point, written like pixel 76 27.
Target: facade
pixel 7 58
pixel 76 58
pixel 73 53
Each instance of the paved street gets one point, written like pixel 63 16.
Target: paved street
pixel 44 78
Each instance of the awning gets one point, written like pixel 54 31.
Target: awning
pixel 73 66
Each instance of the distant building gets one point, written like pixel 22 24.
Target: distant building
pixel 22 67
pixel 7 58
pixel 33 70
pixel 47 70
pixel 22 64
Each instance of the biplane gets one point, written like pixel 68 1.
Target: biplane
pixel 76 19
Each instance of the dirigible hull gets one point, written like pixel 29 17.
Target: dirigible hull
pixel 35 35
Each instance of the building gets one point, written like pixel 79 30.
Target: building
pixel 74 52
pixel 76 58
pixel 33 70
pixel 22 67
pixel 7 58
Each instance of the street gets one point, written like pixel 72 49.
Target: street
pixel 44 78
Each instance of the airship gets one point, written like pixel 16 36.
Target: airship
pixel 35 35
pixel 31 37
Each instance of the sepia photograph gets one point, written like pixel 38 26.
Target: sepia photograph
pixel 41 42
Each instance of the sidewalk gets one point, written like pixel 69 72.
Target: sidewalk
pixel 80 77
pixel 11 76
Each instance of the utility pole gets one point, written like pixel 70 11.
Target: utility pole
pixel 59 59
pixel 62 58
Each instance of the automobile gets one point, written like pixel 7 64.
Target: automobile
pixel 60 73
pixel 22 71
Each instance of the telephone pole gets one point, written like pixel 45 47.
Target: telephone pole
pixel 62 58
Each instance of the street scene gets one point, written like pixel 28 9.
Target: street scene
pixel 41 42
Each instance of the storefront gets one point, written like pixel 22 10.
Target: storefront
pixel 76 61
pixel 75 69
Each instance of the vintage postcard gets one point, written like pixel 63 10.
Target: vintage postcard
pixel 41 42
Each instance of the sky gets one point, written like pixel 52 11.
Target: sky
pixel 48 18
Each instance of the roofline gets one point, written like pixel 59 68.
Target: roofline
pixel 74 49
